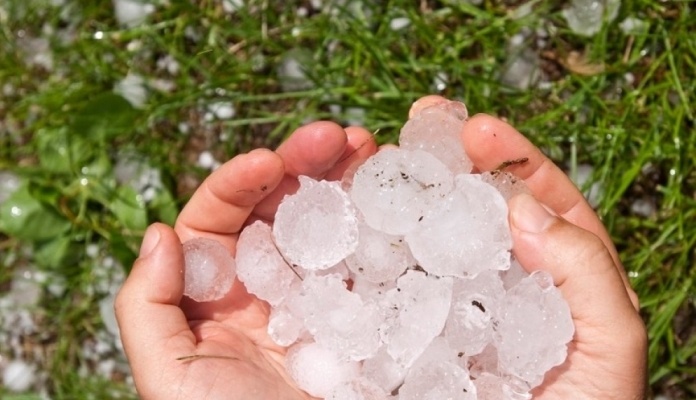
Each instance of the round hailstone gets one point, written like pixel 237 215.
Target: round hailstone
pixel 475 303
pixel 380 257
pixel 471 234
pixel 317 227
pixel 317 370
pixel 395 189
pixel 534 329
pixel 209 270
pixel 437 130
pixel 422 303
pixel 283 328
pixel 260 266
pixel 507 184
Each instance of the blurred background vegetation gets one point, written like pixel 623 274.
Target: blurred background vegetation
pixel 111 113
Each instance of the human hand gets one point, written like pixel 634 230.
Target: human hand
pixel 606 358
pixel 558 232
pixel 231 354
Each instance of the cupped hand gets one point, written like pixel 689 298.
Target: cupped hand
pixel 181 349
pixel 557 231
pixel 233 357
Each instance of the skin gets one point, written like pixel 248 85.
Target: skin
pixel 556 231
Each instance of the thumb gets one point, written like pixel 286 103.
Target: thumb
pixel 151 322
pixel 580 263
pixel 610 340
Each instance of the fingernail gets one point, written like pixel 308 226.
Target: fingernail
pixel 152 237
pixel 528 215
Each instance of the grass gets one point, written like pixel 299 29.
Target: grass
pixel 62 131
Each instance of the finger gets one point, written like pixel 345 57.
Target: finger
pixel 360 146
pixel 221 205
pixel 579 262
pixel 607 325
pixel 423 103
pixel 489 142
pixel 311 150
pixel 147 309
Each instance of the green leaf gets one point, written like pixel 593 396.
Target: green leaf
pixel 57 252
pixel 165 207
pixel 104 117
pixel 122 249
pixel 129 208
pixel 26 218
pixel 62 152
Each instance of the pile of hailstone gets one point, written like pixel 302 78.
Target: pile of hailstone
pixel 398 281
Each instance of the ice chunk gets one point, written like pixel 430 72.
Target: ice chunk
pixel 340 269
pixel 18 376
pixel 422 303
pixel 359 389
pixel 474 307
pixel 513 275
pixel 379 257
pixel 232 6
pixel 634 26
pixel 317 370
pixel 132 88
pixel 493 387
pixel 521 70
pixel 583 175
pixel 439 350
pixel 108 316
pixel 586 17
pixel 9 183
pixel 470 235
pixel 222 109
pixel 283 327
pixel 437 130
pixel 506 183
pixel 260 266
pixel 338 319
pixel 485 361
pixel 534 329
pixel 131 13
pixel 370 291
pixel 395 189
pixel 384 370
pixel 209 270
pixel 399 23
pixel 317 227
pixel 292 70
pixel 438 380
